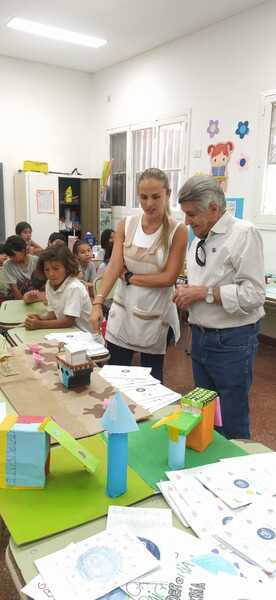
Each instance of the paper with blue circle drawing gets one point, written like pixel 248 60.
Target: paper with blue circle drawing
pixel 152 526
pixel 237 487
pixel 253 533
pixel 96 566
pixel 201 510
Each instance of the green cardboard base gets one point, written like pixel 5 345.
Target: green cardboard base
pixel 72 496
pixel 148 452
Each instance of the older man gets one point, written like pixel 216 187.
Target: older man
pixel 225 296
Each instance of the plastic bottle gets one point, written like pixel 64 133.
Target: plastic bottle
pixel 89 237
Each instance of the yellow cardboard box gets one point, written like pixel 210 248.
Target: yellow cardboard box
pixel 34 165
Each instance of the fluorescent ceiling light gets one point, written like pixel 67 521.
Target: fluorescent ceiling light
pixel 55 33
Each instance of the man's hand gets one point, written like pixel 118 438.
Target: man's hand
pixel 33 322
pixel 186 295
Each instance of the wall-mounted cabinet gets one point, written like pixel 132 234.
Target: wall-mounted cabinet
pixel 50 202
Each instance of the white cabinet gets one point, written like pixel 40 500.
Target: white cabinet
pixel 29 189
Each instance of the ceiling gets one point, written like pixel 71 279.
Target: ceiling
pixel 130 27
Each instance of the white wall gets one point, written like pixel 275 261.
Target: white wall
pixel 44 115
pixel 219 73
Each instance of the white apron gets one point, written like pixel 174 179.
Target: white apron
pixel 140 317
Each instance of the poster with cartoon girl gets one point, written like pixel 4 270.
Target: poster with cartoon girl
pixel 220 155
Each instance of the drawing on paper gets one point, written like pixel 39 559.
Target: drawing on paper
pixel 99 564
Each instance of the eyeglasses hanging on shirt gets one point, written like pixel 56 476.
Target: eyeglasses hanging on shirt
pixel 200 253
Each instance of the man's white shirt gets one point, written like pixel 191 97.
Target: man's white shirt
pixel 235 264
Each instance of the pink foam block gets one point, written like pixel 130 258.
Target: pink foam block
pixel 106 402
pixel 37 358
pixel 34 348
pixel 218 415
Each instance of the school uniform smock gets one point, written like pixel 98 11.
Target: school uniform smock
pixel 140 317
pixel 71 299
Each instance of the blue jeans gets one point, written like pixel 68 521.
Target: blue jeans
pixel 223 361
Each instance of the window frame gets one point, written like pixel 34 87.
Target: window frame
pixel 262 221
pixel 155 124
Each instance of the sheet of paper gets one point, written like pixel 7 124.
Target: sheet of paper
pixel 77 337
pixel 96 566
pixel 37 589
pixel 204 512
pixel 253 533
pixel 152 528
pixel 125 372
pixel 171 496
pixel 237 486
pixel 214 558
pixel 138 520
pixel 125 383
pixel 3 411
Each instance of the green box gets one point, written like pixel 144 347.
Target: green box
pixel 199 397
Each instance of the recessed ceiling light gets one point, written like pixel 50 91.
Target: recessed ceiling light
pixel 55 33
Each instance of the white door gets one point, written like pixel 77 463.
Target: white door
pixel 43 205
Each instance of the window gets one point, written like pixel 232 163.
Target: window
pixel 163 144
pixel 266 179
pixel 118 152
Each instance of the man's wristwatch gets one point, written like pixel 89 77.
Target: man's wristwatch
pixel 127 276
pixel 210 296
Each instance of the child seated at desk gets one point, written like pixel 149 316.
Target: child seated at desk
pixel 24 230
pixel 68 300
pixel 57 238
pixel 19 267
pixel 83 253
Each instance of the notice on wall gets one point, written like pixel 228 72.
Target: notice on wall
pixel 45 200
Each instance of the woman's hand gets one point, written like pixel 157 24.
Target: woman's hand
pixel 97 317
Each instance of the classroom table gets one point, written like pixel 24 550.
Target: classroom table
pixel 14 312
pixel 20 335
pixel 20 559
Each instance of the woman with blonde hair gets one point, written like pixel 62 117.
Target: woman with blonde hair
pixel 147 257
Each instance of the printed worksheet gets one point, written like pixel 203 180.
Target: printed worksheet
pixel 152 527
pixel 138 520
pixel 171 496
pixel 237 487
pixel 118 371
pixel 253 533
pixel 96 566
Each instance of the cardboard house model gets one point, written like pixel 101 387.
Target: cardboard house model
pixel 25 451
pixel 200 438
pixel 73 365
pixel 179 424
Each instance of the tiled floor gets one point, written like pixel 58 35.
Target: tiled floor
pixel 178 376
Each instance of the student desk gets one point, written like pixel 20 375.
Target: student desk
pixel 20 559
pixel 20 335
pixel 14 312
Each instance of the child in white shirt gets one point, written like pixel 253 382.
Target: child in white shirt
pixel 83 253
pixel 68 300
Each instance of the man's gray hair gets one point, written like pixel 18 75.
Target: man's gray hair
pixel 203 189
